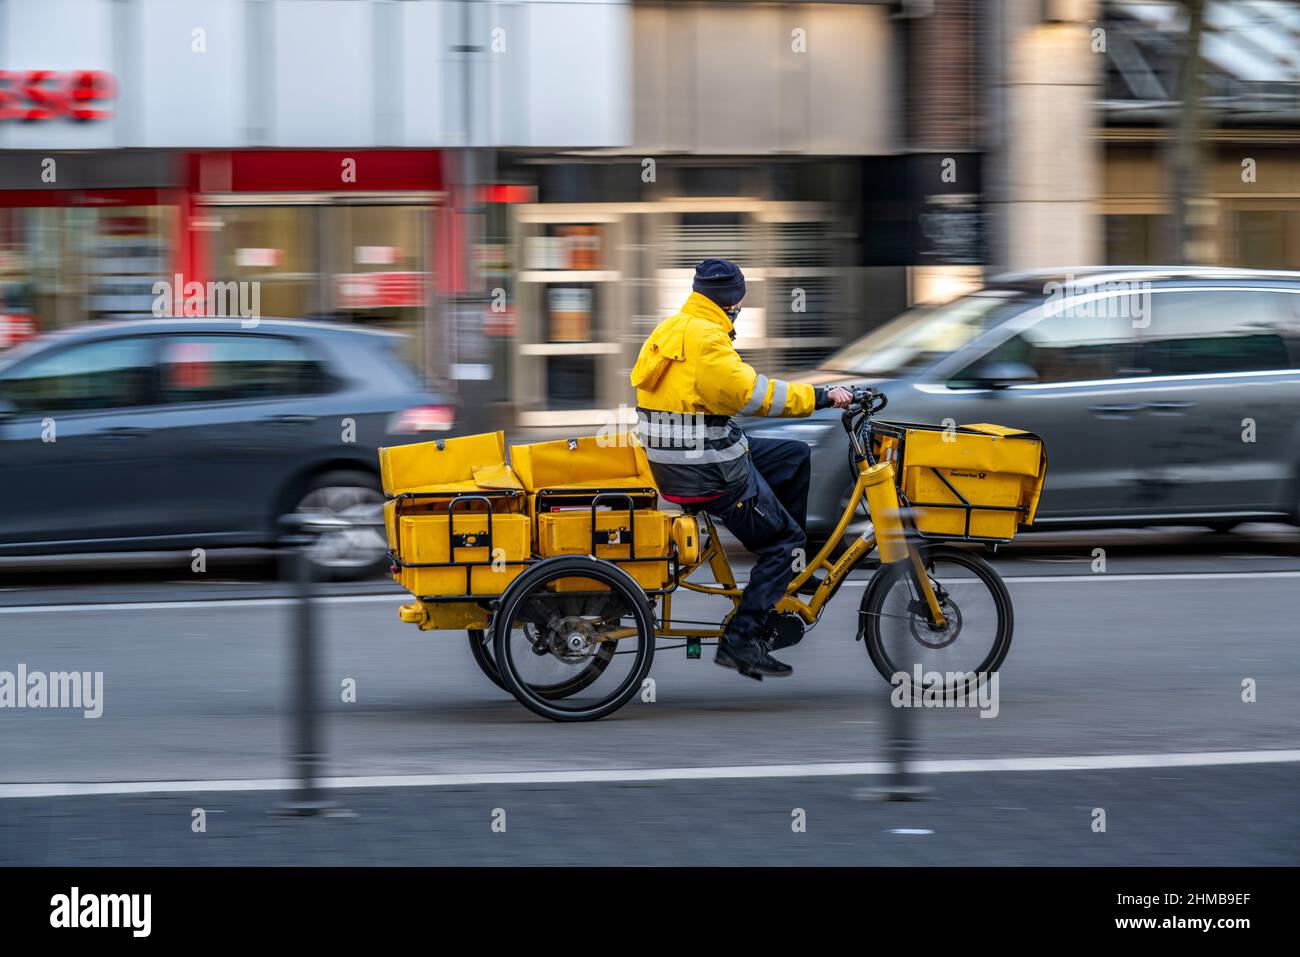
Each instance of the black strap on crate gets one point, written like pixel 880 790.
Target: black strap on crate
pixel 486 496
pixel 455 541
pixel 610 536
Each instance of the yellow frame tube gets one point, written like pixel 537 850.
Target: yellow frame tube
pixel 716 558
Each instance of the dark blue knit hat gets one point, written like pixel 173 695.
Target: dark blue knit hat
pixel 720 280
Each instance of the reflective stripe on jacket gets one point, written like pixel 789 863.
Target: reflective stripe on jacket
pixel 689 382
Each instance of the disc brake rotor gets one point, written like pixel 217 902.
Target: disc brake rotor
pixel 932 637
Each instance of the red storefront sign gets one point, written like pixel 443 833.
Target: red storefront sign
pixel 51 94
pixel 379 290
pixel 16 328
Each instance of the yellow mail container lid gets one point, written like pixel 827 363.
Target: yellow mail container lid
pixel 467 464
pixel 983 447
pixel 592 461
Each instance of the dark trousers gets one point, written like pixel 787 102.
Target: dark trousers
pixel 768 516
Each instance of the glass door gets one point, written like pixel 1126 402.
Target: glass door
pixel 276 247
pixel 377 268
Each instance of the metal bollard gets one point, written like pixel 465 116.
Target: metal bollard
pixel 302 532
pixel 901 746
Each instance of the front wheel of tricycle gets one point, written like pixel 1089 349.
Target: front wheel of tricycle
pixel 974 638
pixel 577 623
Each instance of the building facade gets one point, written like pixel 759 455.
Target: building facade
pixel 525 186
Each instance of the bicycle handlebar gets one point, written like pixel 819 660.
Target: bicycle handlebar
pixel 867 400
pixel 856 419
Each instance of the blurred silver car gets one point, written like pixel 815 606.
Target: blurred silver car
pixel 164 434
pixel 1165 395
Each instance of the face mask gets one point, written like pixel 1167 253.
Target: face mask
pixel 732 312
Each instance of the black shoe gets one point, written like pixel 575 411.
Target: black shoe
pixel 751 658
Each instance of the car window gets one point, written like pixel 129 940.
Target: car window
pixel 1094 340
pixel 915 339
pixel 1212 331
pixel 405 375
pixel 216 367
pixel 105 374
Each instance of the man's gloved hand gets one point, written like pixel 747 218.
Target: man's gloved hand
pixel 838 397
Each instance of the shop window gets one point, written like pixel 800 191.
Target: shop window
pixel 123 253
pixel 18 320
pixel 700 236
pixel 567 246
pixel 216 368
pixel 1133 239
pixel 571 382
pixel 568 313
pixel 275 247
pixel 62 266
pixel 1261 238
pixel 108 374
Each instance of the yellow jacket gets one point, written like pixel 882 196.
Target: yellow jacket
pixel 688 364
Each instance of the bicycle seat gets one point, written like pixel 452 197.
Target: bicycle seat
pixel 690 504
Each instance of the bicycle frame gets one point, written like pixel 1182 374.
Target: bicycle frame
pixel 876 486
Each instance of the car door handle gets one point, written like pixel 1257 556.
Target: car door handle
pixel 1169 408
pixel 125 432
pixel 291 419
pixel 1113 410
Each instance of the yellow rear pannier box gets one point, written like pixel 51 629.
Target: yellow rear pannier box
pixel 442 496
pixel 978 481
pixel 569 532
pixel 565 478
pixel 462 538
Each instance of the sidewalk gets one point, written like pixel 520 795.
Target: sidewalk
pixel 1189 816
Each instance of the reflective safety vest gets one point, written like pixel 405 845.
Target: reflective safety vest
pixel 689 382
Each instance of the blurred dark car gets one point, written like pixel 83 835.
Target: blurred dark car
pixel 181 434
pixel 1165 396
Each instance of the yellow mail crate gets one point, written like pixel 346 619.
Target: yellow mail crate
pixel 570 533
pixel 426 538
pixel 986 465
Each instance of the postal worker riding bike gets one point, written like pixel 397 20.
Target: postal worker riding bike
pixel 690 381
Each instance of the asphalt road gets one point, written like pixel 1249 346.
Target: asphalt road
pixel 1146 659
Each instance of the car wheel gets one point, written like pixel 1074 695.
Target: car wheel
pixel 1222 527
pixel 358 547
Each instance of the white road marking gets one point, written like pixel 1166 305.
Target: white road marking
pixel 1141 577
pixel 397 599
pixel 1095 762
pixel 200 603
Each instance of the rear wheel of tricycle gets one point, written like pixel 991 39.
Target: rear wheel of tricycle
pixel 573 638
pixel 480 646
pixel 976 634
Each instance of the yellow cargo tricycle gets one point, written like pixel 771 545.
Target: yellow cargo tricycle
pixel 563 569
